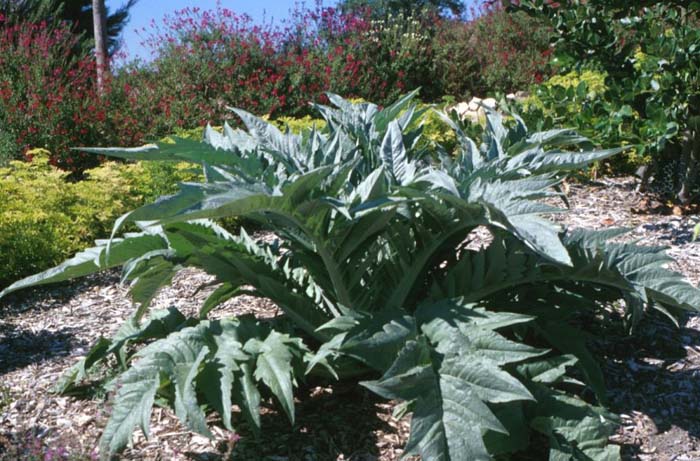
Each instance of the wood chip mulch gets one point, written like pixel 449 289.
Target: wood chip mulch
pixel 653 377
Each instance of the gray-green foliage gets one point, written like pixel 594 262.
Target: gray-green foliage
pixel 374 266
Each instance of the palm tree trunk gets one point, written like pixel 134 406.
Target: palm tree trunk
pixel 99 19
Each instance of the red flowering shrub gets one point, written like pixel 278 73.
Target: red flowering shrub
pixel 44 92
pixel 48 97
pixel 379 59
pixel 206 61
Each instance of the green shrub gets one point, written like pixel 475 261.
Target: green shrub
pixel 651 59
pixel 374 278
pixel 36 233
pixel 578 99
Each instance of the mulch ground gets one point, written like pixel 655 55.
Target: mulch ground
pixel 653 377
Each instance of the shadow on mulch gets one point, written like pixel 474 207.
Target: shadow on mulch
pixel 28 445
pixel 675 233
pixel 655 372
pixel 53 296
pixel 339 422
pixel 20 347
pixel 26 343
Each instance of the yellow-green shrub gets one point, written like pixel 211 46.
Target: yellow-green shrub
pixel 35 230
pixel 595 81
pixel 297 125
pixel 580 100
pixel 44 218
pixel 595 86
pixel 436 131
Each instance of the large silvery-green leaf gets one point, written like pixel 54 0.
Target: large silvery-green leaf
pixel 537 161
pixel 548 370
pixel 210 359
pixel 187 408
pixel 374 340
pixel 224 368
pixel 135 400
pixel 179 150
pixel 394 155
pixel 451 374
pixel 94 260
pixel 449 416
pixel 174 356
pixel 159 325
pixel 274 366
pixel 576 430
pixel 148 280
pixel 640 269
pixel 392 112
pixel 240 261
pixel 625 268
pixel 479 274
pixel 511 205
pixel 247 396
pixel 572 341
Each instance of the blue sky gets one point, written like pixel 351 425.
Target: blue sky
pixel 147 10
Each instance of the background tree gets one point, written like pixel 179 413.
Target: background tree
pixel 34 11
pixel 76 12
pixel 380 8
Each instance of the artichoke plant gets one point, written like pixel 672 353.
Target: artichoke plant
pixel 376 266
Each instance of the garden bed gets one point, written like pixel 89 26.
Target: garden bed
pixel 653 378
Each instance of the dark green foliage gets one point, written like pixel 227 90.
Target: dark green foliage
pixel 78 13
pixel 9 150
pixel 31 10
pixel 651 59
pixel 374 274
